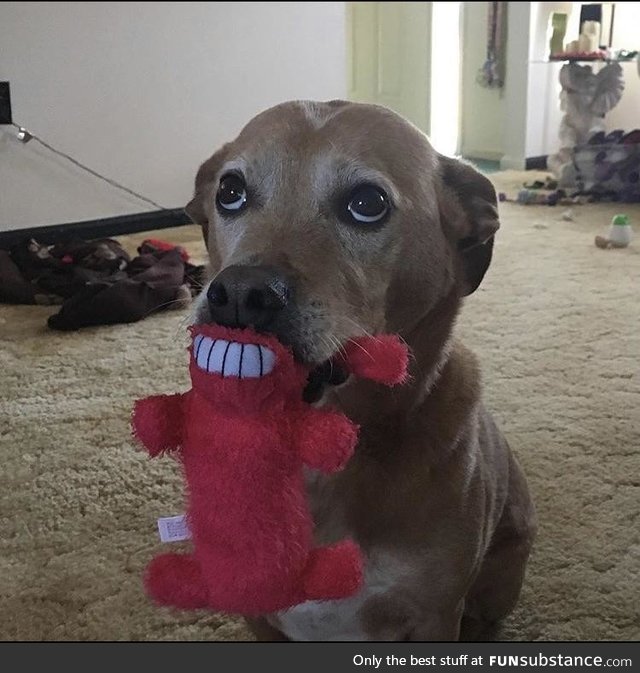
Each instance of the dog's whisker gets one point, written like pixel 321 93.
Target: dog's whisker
pixel 161 306
pixel 364 331
pixel 179 332
pixel 337 344
pixel 362 348
pixel 328 343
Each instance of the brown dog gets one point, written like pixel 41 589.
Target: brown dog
pixel 328 220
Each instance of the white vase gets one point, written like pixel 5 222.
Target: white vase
pixel 620 234
pixel 591 30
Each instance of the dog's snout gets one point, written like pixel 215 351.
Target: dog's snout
pixel 240 296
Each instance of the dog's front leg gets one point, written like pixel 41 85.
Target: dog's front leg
pixel 390 617
pixel 263 631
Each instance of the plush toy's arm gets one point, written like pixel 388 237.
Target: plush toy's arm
pixel 157 422
pixel 382 358
pixel 326 439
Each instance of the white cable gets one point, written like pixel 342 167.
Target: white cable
pixel 26 135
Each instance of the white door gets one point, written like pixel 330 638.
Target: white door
pixel 389 48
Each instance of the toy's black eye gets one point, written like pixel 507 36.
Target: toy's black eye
pixel 368 204
pixel 232 192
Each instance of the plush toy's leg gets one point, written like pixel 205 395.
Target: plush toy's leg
pixel 176 580
pixel 333 572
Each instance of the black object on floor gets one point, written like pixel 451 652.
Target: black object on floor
pixel 97 282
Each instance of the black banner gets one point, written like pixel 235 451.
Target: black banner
pixel 331 657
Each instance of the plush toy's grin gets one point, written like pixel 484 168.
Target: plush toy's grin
pixel 232 358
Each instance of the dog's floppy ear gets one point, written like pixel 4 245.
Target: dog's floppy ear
pixel 469 212
pixel 196 208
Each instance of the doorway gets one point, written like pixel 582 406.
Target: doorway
pixel 406 56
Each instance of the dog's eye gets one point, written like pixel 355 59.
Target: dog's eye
pixel 232 192
pixel 368 204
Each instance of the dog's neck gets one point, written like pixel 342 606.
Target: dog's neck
pixel 429 339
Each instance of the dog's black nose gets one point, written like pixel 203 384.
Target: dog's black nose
pixel 240 296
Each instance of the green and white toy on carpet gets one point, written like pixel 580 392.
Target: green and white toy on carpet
pixel 620 233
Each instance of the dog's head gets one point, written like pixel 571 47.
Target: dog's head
pixel 325 221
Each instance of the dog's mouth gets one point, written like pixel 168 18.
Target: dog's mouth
pixel 234 359
pixel 329 373
pixel 231 358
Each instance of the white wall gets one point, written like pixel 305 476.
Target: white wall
pixel 483 111
pixel 143 92
pixel 626 35
pixel 517 87
pixel 495 121
pixel 446 72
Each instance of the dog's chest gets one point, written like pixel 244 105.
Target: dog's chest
pixel 340 619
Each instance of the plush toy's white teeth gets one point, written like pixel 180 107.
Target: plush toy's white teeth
pixel 230 358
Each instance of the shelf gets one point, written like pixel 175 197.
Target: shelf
pixel 585 60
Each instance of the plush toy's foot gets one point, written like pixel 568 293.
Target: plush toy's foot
pixel 176 580
pixel 333 572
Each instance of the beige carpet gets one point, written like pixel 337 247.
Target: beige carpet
pixel 557 326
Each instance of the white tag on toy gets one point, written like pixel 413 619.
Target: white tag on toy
pixel 174 528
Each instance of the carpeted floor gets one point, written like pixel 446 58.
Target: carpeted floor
pixel 557 326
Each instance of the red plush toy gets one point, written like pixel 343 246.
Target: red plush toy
pixel 244 435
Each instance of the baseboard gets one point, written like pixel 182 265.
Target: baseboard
pixel 103 228
pixel 536 163
pixel 485 155
pixel 524 164
pixel 514 163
